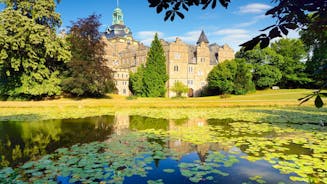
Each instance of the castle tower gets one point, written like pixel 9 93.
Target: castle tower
pixel 118 27
pixel 203 66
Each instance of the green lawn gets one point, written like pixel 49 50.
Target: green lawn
pixel 268 105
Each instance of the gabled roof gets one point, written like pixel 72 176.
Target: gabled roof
pixel 202 38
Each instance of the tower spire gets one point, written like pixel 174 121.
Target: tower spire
pixel 117 3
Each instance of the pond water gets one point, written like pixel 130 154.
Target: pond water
pixel 135 149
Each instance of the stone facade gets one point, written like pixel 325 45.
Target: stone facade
pixel 189 64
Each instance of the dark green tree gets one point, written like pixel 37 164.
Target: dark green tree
pixel 293 66
pixel 30 51
pixel 136 81
pixel 290 15
pixel 221 78
pixel 266 76
pixel 243 78
pixel 87 74
pixel 316 64
pixel 155 72
pixel 265 64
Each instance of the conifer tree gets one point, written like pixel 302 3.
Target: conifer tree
pixel 155 73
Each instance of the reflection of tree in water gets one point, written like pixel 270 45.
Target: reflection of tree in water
pixel 27 140
pixel 143 123
pixel 23 141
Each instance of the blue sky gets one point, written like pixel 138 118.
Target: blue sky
pixel 235 25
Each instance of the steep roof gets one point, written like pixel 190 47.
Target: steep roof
pixel 202 38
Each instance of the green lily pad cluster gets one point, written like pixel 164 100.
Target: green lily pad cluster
pixel 110 162
pixel 290 148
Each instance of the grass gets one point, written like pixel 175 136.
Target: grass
pixel 267 105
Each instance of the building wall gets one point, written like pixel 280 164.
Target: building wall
pixel 121 79
pixel 188 64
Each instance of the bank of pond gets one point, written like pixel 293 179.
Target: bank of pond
pixel 136 149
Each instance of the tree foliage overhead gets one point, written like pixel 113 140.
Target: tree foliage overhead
pixel 290 15
pixel 87 74
pixel 30 51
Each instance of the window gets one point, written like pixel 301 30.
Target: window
pixel 190 82
pixel 124 91
pixel 176 68
pixel 203 60
pixel 190 69
pixel 200 73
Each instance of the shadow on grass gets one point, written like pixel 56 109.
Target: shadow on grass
pixel 21 117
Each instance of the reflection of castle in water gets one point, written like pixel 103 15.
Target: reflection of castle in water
pixel 124 123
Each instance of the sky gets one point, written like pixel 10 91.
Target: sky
pixel 233 26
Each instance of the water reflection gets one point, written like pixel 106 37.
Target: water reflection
pixel 210 149
pixel 23 141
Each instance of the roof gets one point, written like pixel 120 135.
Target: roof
pixel 118 30
pixel 202 38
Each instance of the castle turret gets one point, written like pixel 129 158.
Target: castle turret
pixel 203 38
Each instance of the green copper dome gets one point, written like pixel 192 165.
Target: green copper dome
pixel 118 17
pixel 118 28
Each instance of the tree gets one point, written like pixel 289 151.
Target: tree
pixel 155 73
pixel 243 78
pixel 290 15
pixel 30 51
pixel 266 76
pixel 179 88
pixel 293 66
pixel 87 74
pixel 136 81
pixel 264 62
pixel 316 45
pixel 221 77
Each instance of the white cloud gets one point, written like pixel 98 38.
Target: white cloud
pixel 254 8
pixel 146 37
pixel 233 37
pixel 254 20
pixel 230 32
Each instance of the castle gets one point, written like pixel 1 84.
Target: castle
pixel 189 64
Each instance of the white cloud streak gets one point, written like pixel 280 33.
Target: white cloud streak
pixel 254 8
pixel 146 37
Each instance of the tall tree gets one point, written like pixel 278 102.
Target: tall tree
pixel 155 72
pixel 290 15
pixel 87 74
pixel 293 66
pixel 316 64
pixel 265 62
pixel 30 50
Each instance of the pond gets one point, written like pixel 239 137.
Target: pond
pixel 135 149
